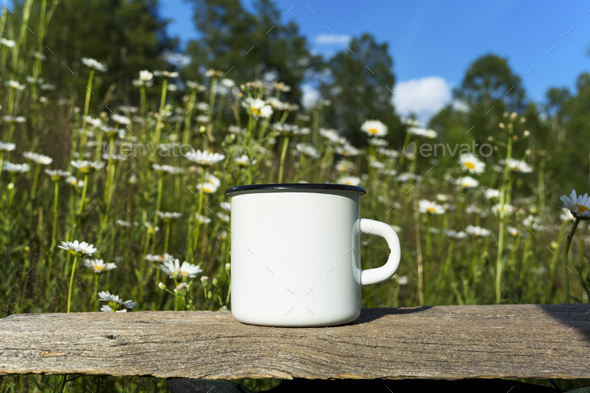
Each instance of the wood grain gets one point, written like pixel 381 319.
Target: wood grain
pixel 446 342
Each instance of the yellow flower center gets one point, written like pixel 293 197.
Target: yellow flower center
pixel 255 111
pixel 582 209
pixel 183 273
pixel 100 268
pixel 373 131
pixel 430 210
pixel 470 165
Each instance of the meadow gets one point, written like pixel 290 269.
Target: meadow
pixel 120 207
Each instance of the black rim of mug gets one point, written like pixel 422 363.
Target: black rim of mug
pixel 295 186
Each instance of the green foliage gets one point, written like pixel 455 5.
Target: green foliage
pixel 359 88
pixel 249 45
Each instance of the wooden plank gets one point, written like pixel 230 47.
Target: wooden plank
pixel 446 342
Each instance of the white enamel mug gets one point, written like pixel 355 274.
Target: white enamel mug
pixel 295 254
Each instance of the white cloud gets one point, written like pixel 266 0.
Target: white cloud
pixel 424 96
pixel 310 95
pixel 330 39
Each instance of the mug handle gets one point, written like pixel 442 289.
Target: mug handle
pixel 379 274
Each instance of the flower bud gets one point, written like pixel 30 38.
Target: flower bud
pixel 161 286
pixel 204 280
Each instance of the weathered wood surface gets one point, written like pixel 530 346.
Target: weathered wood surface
pixel 446 342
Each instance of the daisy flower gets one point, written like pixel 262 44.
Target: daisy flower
pixel 120 119
pixel 403 280
pixel 204 158
pixel 349 180
pixel 497 209
pixel 150 227
pixel 98 265
pixel 167 216
pixel 257 107
pixel 378 142
pixel 344 166
pixel 208 188
pixel 226 206
pixel 390 153
pixel 15 168
pixel 202 219
pixel 195 86
pixel 578 205
pixel 374 128
pixel 467 182
pixel 280 86
pixel 492 193
pixel 307 150
pixel 71 180
pixel 174 269
pixel 106 308
pixel 223 217
pixel 286 129
pixel 145 76
pixel 211 72
pixel 87 166
pixel 57 174
pixel 115 302
pixel 333 136
pixel 477 231
pixel 15 85
pixel 94 64
pixel 14 119
pixel 426 206
pixel 124 223
pixel 163 169
pixel 348 150
pixel 159 258
pixel 7 146
pixel 566 215
pixel 513 231
pixel 517 165
pixel 166 74
pixel 243 161
pixel 455 235
pixel 277 104
pixel 470 163
pixel 78 249
pixel 7 43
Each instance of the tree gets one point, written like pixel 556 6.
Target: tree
pixel 249 46
pixel 489 82
pixel 126 35
pixel 359 87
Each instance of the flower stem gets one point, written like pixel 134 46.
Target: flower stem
pixel 83 197
pixel 284 152
pixel 86 105
pixel 503 192
pixel 55 204
pixel 565 261
pixel 72 281
pixel 199 210
pixel 166 239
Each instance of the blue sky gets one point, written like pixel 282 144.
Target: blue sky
pixel 433 42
